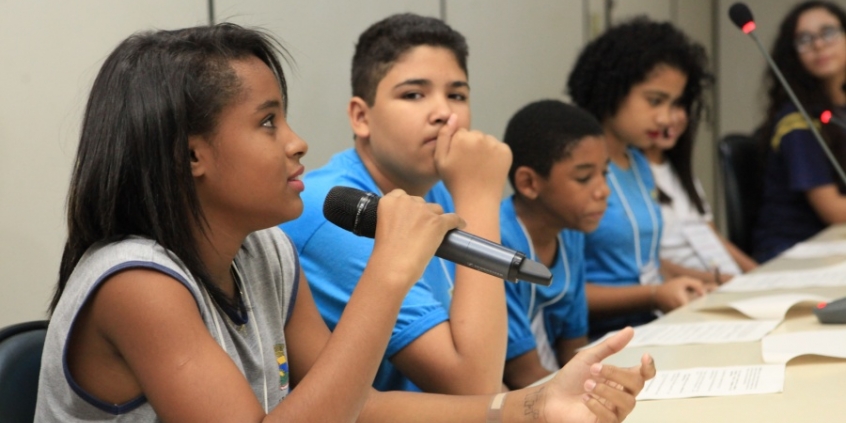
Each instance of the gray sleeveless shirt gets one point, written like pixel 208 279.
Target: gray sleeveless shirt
pixel 268 268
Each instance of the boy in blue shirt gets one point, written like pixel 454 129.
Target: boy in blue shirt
pixel 558 176
pixel 410 113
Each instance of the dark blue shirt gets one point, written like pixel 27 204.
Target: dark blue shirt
pixel 795 164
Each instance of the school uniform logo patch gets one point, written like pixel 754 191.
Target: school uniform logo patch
pixel 282 361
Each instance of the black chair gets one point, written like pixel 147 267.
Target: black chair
pixel 20 362
pixel 742 174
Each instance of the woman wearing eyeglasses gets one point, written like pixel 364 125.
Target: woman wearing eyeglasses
pixel 802 193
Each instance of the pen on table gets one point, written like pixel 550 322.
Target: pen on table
pixel 717 278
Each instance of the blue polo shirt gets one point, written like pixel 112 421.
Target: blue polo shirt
pixel 333 260
pixel 561 307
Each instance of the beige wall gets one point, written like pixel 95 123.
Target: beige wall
pixel 50 52
pixel 519 52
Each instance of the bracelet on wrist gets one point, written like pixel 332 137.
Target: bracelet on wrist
pixel 495 409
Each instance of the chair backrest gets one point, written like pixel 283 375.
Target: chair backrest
pixel 740 165
pixel 20 362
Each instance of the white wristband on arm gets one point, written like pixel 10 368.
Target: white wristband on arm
pixel 495 409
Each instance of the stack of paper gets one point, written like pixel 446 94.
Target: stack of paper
pixel 698 333
pixel 715 382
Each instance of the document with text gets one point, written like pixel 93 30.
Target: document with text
pixel 714 382
pixel 699 333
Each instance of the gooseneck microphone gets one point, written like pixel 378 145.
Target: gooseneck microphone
pixel 740 14
pixel 827 117
pixel 355 210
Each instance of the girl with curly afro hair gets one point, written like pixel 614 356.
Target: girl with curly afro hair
pixel 639 79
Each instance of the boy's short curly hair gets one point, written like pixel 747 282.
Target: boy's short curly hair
pixel 609 66
pixel 382 44
pixel 544 132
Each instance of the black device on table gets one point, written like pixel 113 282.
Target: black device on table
pixel 831 312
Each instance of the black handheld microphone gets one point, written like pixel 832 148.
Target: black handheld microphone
pixel 355 210
pixel 740 14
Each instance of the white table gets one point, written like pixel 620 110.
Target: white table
pixel 814 387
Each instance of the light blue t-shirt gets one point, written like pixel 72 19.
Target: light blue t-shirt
pixel 333 260
pixel 611 250
pixel 539 315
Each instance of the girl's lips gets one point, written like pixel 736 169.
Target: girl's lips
pixel 596 215
pixel 297 173
pixel 296 184
pixel 294 180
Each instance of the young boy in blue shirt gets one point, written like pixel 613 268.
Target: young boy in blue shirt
pixel 560 192
pixel 410 113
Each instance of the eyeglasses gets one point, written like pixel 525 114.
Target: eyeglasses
pixel 804 42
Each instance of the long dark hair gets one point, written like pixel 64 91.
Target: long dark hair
pixel 809 90
pixel 681 158
pixel 132 174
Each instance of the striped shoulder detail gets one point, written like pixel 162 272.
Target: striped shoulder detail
pixel 789 123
